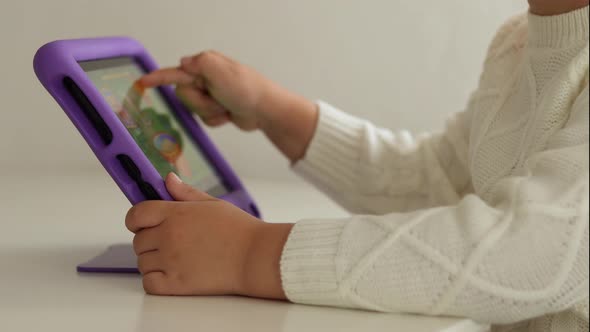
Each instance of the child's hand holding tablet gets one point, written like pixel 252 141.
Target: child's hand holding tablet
pixel 201 245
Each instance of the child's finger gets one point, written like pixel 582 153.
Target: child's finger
pixel 201 64
pixel 150 262
pixel 166 76
pixel 146 215
pixel 155 283
pixel 217 121
pixel 145 241
pixel 183 192
pixel 198 102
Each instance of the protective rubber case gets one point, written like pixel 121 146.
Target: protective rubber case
pixel 57 66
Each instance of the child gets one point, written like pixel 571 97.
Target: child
pixel 487 220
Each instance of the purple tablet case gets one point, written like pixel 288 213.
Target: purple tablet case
pixel 57 67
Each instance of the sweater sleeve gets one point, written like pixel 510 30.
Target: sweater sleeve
pixel 376 171
pixel 371 170
pixel 518 256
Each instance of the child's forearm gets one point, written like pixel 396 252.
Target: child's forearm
pixel 262 275
pixel 289 121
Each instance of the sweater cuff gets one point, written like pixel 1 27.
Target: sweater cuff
pixel 333 154
pixel 559 30
pixel 308 263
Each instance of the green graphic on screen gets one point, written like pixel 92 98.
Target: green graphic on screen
pixel 152 124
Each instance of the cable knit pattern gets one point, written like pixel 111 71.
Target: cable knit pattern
pixel 486 220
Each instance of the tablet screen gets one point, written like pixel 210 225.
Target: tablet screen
pixel 152 124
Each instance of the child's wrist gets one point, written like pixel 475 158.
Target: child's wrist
pixel 272 103
pixel 289 121
pixel 261 276
pixel 276 103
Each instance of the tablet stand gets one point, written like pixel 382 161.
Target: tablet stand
pixel 118 258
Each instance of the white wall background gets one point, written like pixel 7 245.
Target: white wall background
pixel 400 63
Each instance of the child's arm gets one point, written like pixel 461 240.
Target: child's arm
pixel 519 254
pixel 370 170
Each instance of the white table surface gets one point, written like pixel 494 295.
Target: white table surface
pixel 51 223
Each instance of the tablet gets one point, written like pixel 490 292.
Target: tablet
pixel 138 135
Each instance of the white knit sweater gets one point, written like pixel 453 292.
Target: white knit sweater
pixel 487 220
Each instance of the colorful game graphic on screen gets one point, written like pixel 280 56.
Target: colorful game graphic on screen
pixel 154 133
pixel 151 123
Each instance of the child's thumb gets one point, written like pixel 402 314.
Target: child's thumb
pixel 181 191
